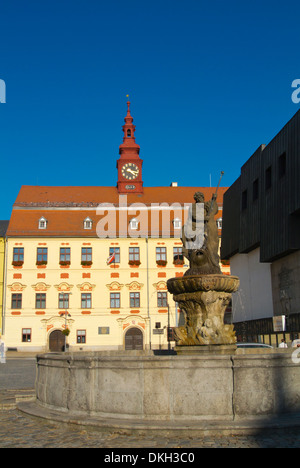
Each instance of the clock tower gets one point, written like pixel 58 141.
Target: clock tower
pixel 129 164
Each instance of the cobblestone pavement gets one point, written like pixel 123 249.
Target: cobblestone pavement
pixel 17 374
pixel 19 430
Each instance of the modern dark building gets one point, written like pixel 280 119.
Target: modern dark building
pixel 261 236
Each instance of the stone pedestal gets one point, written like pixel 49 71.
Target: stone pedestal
pixel 203 300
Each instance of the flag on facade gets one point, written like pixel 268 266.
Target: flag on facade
pixel 111 258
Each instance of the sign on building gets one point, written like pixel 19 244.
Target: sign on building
pixel 279 323
pixel 2 353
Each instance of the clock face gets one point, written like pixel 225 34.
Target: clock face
pixel 130 171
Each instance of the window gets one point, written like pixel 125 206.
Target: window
pixel 178 256
pixel 42 223
pixel 26 335
pixel 86 256
pixel 134 224
pixel 129 133
pixel 63 301
pixel 162 299
pixel 65 255
pixel 219 223
pixel 134 299
pixel 161 253
pixel 282 165
pixel 134 255
pixel 42 256
pixel 87 223
pixel 16 301
pixel 244 200
pixel 40 301
pixel 18 255
pixel 255 192
pixel 116 251
pixel 177 223
pixel 81 336
pixel 115 301
pixel 268 178
pixel 161 256
pixel 86 300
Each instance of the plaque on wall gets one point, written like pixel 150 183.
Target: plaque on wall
pixel 158 331
pixel 279 323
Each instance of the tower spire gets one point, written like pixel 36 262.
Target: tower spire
pixel 128 117
pixel 128 106
pixel 129 147
pixel 129 164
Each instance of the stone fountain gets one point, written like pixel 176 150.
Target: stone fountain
pixel 203 293
pixel 207 388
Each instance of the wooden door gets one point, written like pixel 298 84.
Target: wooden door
pixel 134 339
pixel 56 341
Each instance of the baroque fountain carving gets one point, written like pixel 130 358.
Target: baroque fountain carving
pixel 203 293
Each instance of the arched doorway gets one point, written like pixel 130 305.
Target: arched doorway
pixel 56 341
pixel 134 339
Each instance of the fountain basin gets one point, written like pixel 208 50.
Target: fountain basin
pixel 189 284
pixel 141 391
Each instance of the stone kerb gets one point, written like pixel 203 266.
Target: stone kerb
pixel 142 387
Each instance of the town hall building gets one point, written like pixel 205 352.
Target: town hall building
pixel 87 267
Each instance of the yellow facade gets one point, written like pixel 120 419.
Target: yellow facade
pixel 142 291
pixel 2 261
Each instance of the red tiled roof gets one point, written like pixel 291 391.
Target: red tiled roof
pixel 64 207
pixel 93 196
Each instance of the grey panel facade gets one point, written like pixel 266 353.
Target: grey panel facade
pixel 265 200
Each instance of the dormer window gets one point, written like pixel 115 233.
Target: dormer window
pixel 88 223
pixel 177 223
pixel 42 223
pixel 134 224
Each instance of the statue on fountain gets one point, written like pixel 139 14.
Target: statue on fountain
pixel 203 257
pixel 203 293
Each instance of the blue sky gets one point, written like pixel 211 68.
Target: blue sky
pixel 208 82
